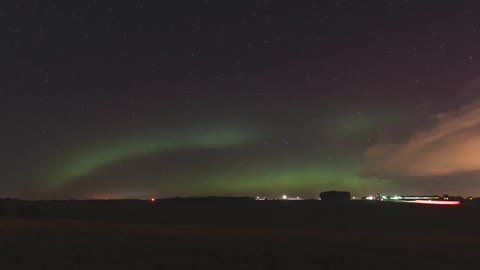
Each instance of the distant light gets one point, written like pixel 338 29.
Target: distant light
pixel 370 198
pixel 152 199
pixel 284 197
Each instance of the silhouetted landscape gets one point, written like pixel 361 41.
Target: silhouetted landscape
pixel 236 233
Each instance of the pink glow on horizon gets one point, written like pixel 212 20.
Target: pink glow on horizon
pixel 434 202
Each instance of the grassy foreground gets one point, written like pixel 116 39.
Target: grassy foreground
pixel 54 243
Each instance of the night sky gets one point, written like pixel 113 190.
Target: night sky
pixel 135 99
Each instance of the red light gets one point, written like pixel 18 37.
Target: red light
pixel 152 199
pixel 435 202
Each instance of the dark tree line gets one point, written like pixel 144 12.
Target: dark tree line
pixel 335 196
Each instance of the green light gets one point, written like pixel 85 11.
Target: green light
pixel 291 178
pixel 353 124
pixel 103 153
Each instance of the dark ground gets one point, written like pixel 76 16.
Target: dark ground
pixel 237 234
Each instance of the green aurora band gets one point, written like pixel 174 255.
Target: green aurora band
pixel 275 180
pixel 105 167
pixel 102 154
pixel 272 179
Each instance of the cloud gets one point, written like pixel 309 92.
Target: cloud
pixel 472 87
pixel 450 146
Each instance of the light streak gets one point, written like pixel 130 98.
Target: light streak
pixel 434 202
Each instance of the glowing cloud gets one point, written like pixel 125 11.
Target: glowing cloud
pixel 451 146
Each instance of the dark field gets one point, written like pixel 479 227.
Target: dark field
pixel 237 234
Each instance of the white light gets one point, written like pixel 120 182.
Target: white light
pixel 284 197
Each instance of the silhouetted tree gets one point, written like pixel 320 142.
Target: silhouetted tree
pixel 335 195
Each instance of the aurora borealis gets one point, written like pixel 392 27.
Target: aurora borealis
pixel 106 153
pixel 111 99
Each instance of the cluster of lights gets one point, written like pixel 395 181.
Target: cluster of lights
pixel 283 197
pixel 383 197
pixel 435 200
pixel 297 198
pixel 406 199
